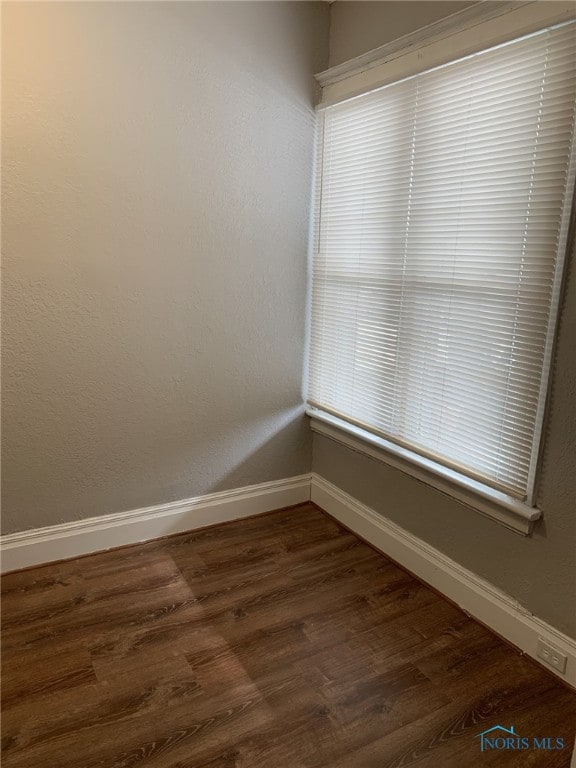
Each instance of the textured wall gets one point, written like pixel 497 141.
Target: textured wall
pixel 157 162
pixel 539 571
pixel 357 26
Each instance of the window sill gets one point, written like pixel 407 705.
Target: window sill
pixel 498 506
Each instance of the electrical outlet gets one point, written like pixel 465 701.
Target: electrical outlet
pixel 552 656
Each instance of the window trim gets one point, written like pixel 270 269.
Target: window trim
pixel 462 34
pixel 507 510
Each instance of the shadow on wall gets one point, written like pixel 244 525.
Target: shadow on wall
pixel 287 428
pixel 256 448
pixel 252 461
pixel 253 451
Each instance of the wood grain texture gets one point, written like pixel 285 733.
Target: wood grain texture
pixel 275 641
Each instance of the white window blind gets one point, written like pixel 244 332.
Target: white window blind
pixel 442 221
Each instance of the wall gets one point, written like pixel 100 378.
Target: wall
pixel 157 173
pixel 357 27
pixel 539 571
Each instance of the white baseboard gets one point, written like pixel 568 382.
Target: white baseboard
pixel 474 595
pixel 68 540
pixel 477 597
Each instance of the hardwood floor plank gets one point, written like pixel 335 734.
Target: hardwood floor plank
pixel 278 640
pixel 35 675
pixel 448 736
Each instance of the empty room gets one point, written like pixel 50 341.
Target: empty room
pixel 288 384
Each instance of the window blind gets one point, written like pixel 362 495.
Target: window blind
pixel 442 217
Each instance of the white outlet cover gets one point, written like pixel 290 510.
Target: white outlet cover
pixel 552 656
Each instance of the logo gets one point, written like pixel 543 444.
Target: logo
pixel 499 737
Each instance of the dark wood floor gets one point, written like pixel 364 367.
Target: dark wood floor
pixel 281 641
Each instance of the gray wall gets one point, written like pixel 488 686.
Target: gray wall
pixel 357 26
pixel 539 571
pixel 157 171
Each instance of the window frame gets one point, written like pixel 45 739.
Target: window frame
pixel 517 515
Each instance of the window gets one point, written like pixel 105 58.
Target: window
pixel 442 223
